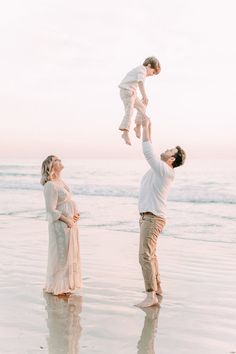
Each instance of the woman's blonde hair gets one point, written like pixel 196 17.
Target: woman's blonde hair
pixel 47 169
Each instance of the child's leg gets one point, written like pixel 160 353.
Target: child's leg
pixel 126 137
pixel 141 108
pixel 128 99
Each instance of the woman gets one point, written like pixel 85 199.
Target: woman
pixel 63 271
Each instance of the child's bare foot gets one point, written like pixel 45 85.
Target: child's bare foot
pixel 137 130
pixel 126 138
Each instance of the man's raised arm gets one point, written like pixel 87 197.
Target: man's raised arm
pixel 146 124
pixel 152 160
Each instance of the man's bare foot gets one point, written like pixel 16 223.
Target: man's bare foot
pixel 150 300
pixel 137 130
pixel 126 138
pixel 159 291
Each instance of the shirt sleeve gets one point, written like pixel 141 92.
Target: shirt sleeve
pixel 51 197
pixel 155 163
pixel 141 74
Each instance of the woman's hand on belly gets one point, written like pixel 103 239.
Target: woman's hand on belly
pixel 76 217
pixel 69 221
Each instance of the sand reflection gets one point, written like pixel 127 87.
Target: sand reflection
pixel 63 323
pixel 146 344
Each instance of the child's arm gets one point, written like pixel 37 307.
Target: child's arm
pixel 143 92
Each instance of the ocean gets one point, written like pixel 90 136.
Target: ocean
pixel 201 206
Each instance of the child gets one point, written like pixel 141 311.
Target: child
pixel 128 87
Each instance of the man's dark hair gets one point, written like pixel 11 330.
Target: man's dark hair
pixel 179 157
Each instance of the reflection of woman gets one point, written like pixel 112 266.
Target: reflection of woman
pixel 63 323
pixel 63 271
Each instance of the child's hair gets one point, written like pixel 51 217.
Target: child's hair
pixel 154 63
pixel 47 169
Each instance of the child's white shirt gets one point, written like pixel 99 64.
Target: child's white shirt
pixel 130 81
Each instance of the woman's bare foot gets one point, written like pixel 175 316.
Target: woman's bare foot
pixel 64 294
pixel 126 138
pixel 137 130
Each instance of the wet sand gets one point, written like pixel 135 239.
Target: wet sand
pixel 197 314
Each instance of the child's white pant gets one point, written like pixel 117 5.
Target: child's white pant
pixel 131 101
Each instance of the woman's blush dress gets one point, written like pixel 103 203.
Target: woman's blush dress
pixel 63 270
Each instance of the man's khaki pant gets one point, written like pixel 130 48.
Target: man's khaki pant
pixel 131 101
pixel 150 228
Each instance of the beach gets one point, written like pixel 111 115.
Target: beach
pixel 197 314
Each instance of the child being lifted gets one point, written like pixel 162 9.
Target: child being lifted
pixel 128 93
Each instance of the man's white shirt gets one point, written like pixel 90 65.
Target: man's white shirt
pixel 155 184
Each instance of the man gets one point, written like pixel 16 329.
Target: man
pixel 154 190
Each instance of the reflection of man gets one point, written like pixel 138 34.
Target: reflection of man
pixel 147 339
pixel 63 323
pixel 153 195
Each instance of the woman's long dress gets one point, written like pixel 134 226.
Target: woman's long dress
pixel 63 270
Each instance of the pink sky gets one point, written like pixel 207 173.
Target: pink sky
pixel 61 64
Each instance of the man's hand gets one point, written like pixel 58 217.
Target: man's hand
pixel 145 100
pixel 146 122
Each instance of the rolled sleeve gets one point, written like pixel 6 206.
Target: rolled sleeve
pixel 156 164
pixel 51 198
